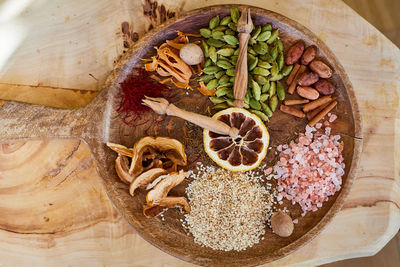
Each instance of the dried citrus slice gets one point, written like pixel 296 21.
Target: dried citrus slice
pixel 243 153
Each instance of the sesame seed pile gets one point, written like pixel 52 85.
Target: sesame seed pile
pixel 228 210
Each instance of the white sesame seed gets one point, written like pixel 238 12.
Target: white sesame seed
pixel 228 210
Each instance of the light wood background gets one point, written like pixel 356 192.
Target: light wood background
pixel 382 14
pixel 55 210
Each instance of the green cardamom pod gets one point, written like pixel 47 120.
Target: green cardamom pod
pixel 274 69
pixel 225 20
pixel 266 27
pixel 261 71
pixel 252 63
pixel 212 52
pixel 219 74
pixel 230 72
pixel 224 64
pixel 208 62
pixel 264 64
pixel 261 115
pixel 260 79
pixel 255 104
pixel 272 88
pixel 263 98
pixel 286 70
pixel 281 61
pixel 206 33
pixel 230 39
pixel 214 22
pixel 211 69
pixel 280 91
pixel 273 37
pixel 277 77
pixel 226 52
pixel 273 103
pixel 223 80
pixel 220 106
pixel 215 43
pixel 212 84
pixel 266 109
pixel 206 78
pixel 235 14
pixel 264 36
pixel 217 100
pixel 205 48
pixel 217 35
pixel 256 32
pixel 266 87
pixel 221 91
pixel 256 91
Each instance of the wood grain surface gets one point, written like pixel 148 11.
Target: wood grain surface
pixel 93 232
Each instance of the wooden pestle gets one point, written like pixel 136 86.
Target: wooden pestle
pixel 162 106
pixel 245 26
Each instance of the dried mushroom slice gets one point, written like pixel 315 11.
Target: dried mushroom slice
pixel 162 189
pixel 244 152
pixel 120 149
pixel 164 204
pixel 122 169
pixel 154 148
pixel 145 179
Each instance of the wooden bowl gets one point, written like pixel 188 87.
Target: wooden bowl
pixel 168 235
pixel 99 122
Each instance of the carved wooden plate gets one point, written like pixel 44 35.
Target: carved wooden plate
pixel 99 122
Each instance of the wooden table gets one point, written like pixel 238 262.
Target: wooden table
pixel 54 208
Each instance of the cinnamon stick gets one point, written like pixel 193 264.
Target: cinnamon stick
pixel 292 102
pixel 292 86
pixel 292 74
pixel 292 111
pixel 314 112
pixel 322 114
pixel 316 103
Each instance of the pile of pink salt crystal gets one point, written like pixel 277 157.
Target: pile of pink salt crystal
pixel 310 169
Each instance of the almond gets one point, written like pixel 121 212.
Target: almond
pixel 309 55
pixel 323 70
pixel 307 79
pixel 325 87
pixel 294 53
pixel 307 92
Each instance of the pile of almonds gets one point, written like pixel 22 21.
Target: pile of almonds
pixel 309 78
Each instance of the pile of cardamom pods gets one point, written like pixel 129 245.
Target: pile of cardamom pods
pixel 265 64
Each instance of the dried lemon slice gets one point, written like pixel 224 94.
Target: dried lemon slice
pixel 244 152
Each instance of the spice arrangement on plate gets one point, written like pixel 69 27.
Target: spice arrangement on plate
pixel 248 75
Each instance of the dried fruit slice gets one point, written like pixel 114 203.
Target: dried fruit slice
pixel 122 169
pixel 148 148
pixel 145 179
pixel 164 186
pixel 243 153
pixel 164 204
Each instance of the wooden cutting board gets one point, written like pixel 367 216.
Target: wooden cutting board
pixel 56 211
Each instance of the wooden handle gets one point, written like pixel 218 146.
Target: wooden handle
pixel 20 120
pixel 241 73
pixel 202 121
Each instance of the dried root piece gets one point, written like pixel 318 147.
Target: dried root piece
pixel 122 169
pixel 120 149
pixel 162 189
pixel 145 179
pixel 164 204
pixel 159 145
